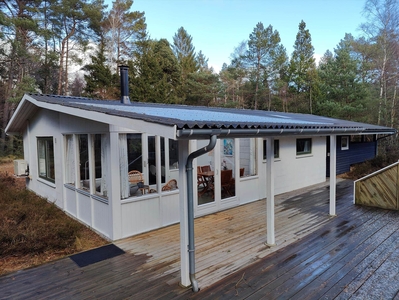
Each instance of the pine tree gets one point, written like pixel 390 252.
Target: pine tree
pixel 185 51
pixel 302 68
pixel 74 24
pixel 343 93
pixel 265 57
pixel 155 74
pixel 18 29
pixel 100 83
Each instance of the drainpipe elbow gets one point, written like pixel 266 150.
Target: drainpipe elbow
pixel 194 283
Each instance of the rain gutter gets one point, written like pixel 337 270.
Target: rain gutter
pixel 190 206
pixel 204 133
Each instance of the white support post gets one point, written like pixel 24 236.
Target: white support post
pixel 158 164
pixel 114 195
pixel 333 173
pixel 184 257
pixel 92 174
pixel 270 190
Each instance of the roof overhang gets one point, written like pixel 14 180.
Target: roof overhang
pixel 189 122
pixel 29 106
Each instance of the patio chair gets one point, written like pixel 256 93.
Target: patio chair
pixel 136 178
pixel 225 179
pixel 201 183
pixel 206 168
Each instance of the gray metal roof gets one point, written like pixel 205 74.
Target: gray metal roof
pixel 192 118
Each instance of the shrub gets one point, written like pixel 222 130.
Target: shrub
pixel 31 225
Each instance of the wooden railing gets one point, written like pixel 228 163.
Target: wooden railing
pixel 379 189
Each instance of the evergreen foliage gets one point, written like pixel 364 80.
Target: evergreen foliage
pixel 155 75
pixel 100 82
pixel 302 70
pixel 343 93
pixel 264 59
pixel 40 40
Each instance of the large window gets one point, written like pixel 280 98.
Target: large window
pixel 173 154
pixel 45 150
pixel 152 161
pixel 101 154
pixel 84 162
pixel 139 160
pixel 134 152
pixel 303 146
pixel 70 166
pixel 276 149
pixel 248 157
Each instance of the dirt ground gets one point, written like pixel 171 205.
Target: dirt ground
pixel 8 168
pixel 87 240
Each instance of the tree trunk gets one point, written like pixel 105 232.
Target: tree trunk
pixel 66 78
pixel 393 106
pixel 382 84
pixel 64 50
pixel 61 72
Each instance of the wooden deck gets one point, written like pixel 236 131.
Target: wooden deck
pixel 355 254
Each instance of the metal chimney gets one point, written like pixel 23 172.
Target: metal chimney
pixel 124 73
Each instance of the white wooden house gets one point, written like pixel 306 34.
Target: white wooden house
pixel 80 151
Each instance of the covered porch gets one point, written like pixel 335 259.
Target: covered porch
pixel 231 239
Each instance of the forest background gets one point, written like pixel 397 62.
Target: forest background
pixel 74 47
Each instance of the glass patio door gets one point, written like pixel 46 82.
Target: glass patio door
pixel 205 175
pixel 227 168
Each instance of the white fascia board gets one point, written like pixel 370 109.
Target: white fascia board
pixel 16 115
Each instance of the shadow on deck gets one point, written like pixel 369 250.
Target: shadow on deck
pixel 353 254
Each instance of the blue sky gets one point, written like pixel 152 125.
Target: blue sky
pixel 218 26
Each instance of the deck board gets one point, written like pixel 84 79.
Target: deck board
pixel 355 254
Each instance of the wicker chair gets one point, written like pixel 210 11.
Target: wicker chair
pixel 136 178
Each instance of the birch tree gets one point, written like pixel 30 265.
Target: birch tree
pixel 382 30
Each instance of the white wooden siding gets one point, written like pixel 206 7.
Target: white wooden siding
pixel 84 208
pixel 102 218
pixel 158 210
pixel 140 216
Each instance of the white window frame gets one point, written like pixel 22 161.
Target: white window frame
pixel 300 153
pixel 345 146
pixel 276 149
pixel 44 163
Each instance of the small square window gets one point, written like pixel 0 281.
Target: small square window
pixel 303 146
pixel 345 143
pixel 276 149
